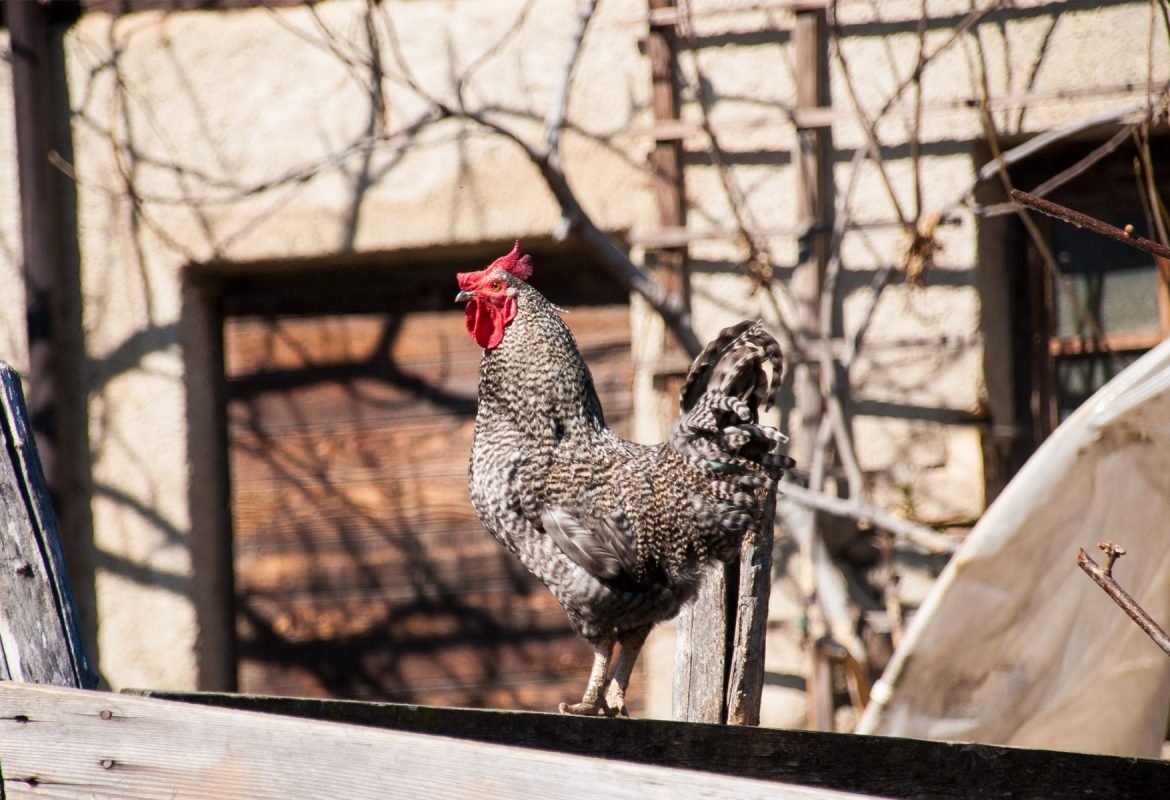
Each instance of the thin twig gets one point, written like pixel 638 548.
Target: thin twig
pixel 1041 244
pixel 554 123
pixel 916 120
pixel 1091 223
pixel 668 305
pixel 1154 198
pixel 869 127
pixel 1033 146
pixel 835 382
pixel 759 264
pixel 1086 163
pixel 912 532
pixel 1125 600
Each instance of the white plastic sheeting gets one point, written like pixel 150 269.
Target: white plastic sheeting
pixel 1015 644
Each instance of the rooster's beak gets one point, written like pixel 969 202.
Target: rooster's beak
pixel 463 297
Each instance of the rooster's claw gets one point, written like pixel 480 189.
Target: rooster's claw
pixel 598 709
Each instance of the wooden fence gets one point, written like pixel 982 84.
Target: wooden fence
pixel 60 739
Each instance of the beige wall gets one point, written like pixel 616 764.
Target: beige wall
pixel 243 135
pixel 13 342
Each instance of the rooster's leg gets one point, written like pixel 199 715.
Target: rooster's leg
pixel 593 704
pixel 632 643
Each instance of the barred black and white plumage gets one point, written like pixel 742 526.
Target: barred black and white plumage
pixel 619 532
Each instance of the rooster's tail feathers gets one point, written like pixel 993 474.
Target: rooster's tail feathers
pixel 733 365
pixel 732 380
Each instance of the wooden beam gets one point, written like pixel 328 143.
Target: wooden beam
pixel 209 489
pixel 814 201
pixel 827 116
pixel 31 97
pixel 666 156
pixel 40 637
pixel 869 765
pixel 677 237
pixel 67 743
pixel 669 15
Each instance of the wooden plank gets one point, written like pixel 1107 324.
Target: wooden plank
pixel 670 15
pixel 700 653
pixel 66 743
pixel 745 671
pixel 532 691
pixel 209 481
pixel 870 765
pixel 40 638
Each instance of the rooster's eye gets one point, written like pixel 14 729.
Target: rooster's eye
pixel 495 286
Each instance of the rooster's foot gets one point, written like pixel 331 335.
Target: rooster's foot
pixel 615 699
pixel 597 709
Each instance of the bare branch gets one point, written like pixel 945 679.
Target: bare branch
pixel 957 33
pixel 491 52
pixel 912 532
pixel 1151 194
pixel 617 262
pixel 835 376
pixel 1086 317
pixel 1124 599
pixel 870 129
pixel 555 121
pixel 1034 146
pixel 759 266
pixel 1086 163
pixel 1091 223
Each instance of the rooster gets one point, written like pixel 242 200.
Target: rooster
pixel 619 532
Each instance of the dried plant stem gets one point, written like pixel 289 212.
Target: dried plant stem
pixel 1125 600
pixel 554 122
pixel 911 532
pixel 1034 146
pixel 1091 223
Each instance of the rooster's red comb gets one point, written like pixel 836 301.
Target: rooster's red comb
pixel 515 263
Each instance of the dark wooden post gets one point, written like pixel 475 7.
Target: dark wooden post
pixel 40 639
pixel 815 182
pixel 40 221
pixel 209 491
pixel 55 380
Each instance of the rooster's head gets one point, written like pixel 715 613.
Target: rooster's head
pixel 490 297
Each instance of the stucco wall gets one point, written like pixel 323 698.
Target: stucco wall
pixel 243 136
pixel 213 120
pixel 13 341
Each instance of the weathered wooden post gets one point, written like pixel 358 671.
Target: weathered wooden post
pixel 40 639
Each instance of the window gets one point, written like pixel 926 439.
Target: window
pixel 1053 338
pixel 1108 303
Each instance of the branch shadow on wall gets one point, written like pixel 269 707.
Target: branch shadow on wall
pixel 361 570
